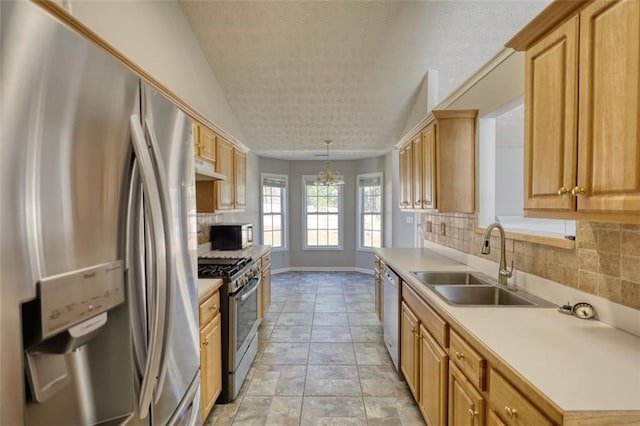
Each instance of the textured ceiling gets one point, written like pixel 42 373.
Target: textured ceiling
pixel 298 72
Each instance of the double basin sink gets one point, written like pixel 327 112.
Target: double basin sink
pixel 473 289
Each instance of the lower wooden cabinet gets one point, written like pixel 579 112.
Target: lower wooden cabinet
pixel 513 407
pixel 466 404
pixel 210 354
pixel 409 335
pixel 424 365
pixel 450 377
pixel 264 290
pixel 493 419
pixel 433 380
pixel 379 291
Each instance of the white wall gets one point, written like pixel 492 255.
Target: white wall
pixel 156 36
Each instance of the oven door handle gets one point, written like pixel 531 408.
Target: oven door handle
pixel 248 294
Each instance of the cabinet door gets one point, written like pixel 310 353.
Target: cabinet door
pixel 609 132
pixel 456 160
pixel 379 294
pixel 210 364
pixel 433 380
pixel 429 167
pixel 207 144
pixel 416 171
pixel 466 405
pixel 550 119
pixel 406 176
pixel 224 165
pixel 266 288
pixel 240 172
pixel 493 419
pixel 409 335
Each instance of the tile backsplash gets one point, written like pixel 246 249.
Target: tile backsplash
pixel 605 261
pixel 205 220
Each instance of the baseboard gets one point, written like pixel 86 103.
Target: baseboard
pixel 322 269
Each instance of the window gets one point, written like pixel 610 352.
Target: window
pixel 322 215
pixel 274 210
pixel 370 210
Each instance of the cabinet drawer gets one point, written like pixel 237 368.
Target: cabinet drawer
pixel 433 322
pixel 209 308
pixel 514 408
pixel 266 260
pixel 467 359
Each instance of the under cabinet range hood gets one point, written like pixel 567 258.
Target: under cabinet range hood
pixel 205 171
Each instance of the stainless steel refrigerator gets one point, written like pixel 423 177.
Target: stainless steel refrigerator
pixel 98 236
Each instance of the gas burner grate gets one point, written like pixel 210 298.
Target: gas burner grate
pixel 210 267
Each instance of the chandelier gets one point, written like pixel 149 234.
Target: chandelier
pixel 327 176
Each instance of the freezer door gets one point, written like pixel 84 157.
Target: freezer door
pixel 168 132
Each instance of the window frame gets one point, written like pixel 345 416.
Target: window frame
pixel 360 210
pixel 305 246
pixel 284 209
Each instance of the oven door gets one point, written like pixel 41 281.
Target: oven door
pixel 243 320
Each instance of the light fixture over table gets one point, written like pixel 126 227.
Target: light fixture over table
pixel 327 176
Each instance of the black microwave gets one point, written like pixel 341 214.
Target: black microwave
pixel 233 236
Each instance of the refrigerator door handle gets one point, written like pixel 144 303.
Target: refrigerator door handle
pixel 135 259
pixel 190 401
pixel 165 208
pixel 157 326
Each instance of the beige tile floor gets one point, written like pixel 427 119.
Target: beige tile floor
pixel 321 359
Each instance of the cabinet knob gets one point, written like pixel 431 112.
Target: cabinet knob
pixel 472 413
pixel 563 191
pixel 510 412
pixel 459 355
pixel 206 342
pixel 578 190
pixel 213 307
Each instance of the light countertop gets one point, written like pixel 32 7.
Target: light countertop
pixel 207 286
pixel 580 365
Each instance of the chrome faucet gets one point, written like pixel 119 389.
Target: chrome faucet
pixel 503 273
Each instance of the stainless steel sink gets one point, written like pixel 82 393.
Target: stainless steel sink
pixel 474 289
pixel 448 278
pixel 481 295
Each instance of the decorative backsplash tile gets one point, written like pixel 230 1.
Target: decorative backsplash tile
pixel 605 262
pixel 205 220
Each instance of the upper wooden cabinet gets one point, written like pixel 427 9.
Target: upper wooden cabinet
pixel 429 167
pixel 417 171
pixel 205 140
pixel 229 194
pixel 240 179
pixel 406 176
pixel 225 165
pixel 551 119
pixel 582 109
pixel 437 167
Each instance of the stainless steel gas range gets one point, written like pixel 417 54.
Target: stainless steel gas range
pixel 239 310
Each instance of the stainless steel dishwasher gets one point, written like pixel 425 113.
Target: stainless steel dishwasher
pixel 391 299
